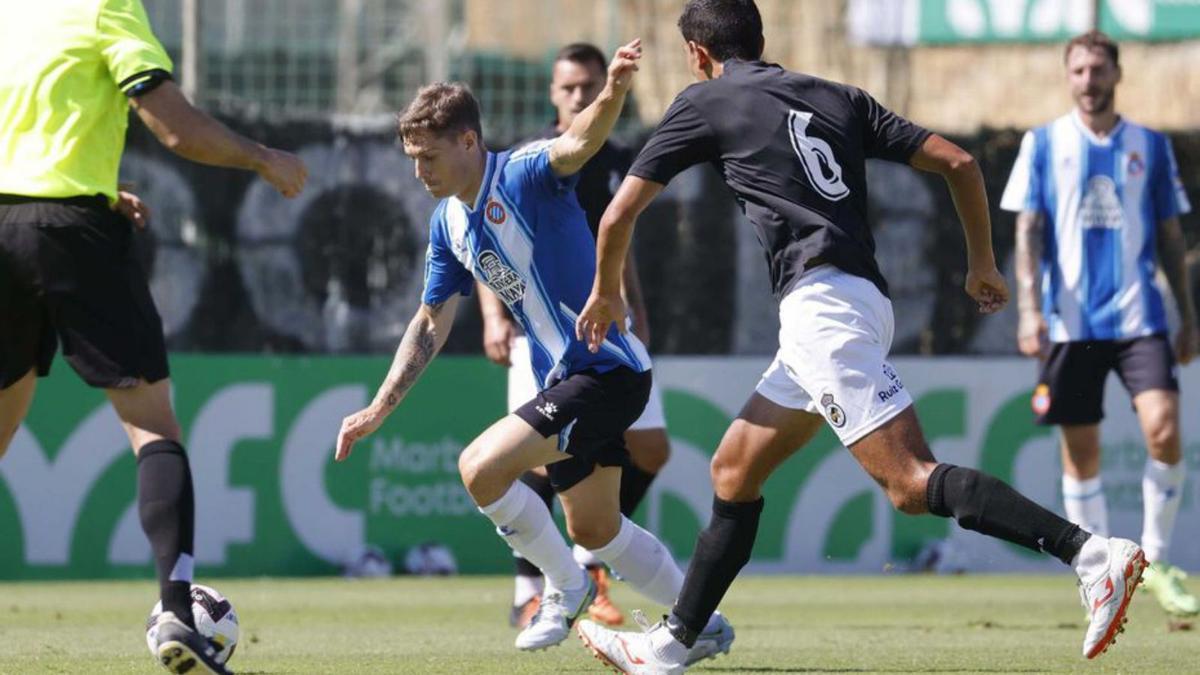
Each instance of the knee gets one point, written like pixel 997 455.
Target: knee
pixel 1162 434
pixel 732 479
pixel 593 533
pixel 907 492
pixel 474 468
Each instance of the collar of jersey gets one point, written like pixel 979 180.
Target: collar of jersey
pixel 485 184
pixel 1091 135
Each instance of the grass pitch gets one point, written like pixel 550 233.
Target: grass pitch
pixel 891 624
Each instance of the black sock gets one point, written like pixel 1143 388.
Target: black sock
pixel 167 511
pixel 722 549
pixel 990 506
pixel 541 485
pixel 634 483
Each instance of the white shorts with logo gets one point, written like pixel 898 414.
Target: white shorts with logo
pixel 522 388
pixel 835 333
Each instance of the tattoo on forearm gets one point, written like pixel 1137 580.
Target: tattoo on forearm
pixel 1029 255
pixel 416 350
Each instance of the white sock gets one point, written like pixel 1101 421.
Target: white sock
pixel 525 588
pixel 1091 563
pixel 585 557
pixel 643 562
pixel 525 523
pixel 666 647
pixel 1085 504
pixel 1162 490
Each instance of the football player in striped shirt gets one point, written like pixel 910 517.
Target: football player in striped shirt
pixel 511 220
pixel 1099 199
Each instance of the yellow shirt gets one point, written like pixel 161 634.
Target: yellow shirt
pixel 65 68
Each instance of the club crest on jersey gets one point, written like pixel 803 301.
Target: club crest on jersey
pixel 1136 164
pixel 1041 399
pixel 833 411
pixel 501 278
pixel 495 212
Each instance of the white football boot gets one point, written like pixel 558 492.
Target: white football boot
pixel 634 653
pixel 716 639
pixel 1107 594
pixel 555 616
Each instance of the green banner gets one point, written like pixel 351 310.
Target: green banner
pixel 271 501
pixel 957 21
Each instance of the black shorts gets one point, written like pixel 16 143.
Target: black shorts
pixel 69 273
pixel 1071 386
pixel 589 412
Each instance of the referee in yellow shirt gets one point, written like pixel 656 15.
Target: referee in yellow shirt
pixel 68 273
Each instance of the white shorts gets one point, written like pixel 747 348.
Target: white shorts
pixel 522 388
pixel 835 333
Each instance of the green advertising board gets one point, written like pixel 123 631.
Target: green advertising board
pixel 271 501
pixel 958 21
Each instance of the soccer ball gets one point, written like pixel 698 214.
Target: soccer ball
pixel 215 620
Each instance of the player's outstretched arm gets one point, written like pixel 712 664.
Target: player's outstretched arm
pixel 591 127
pixel 1031 325
pixel 1172 253
pixel 424 338
pixel 605 305
pixel 192 134
pixel 984 284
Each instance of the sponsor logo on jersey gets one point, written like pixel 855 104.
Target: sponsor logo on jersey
pixel 495 212
pixel 501 278
pixel 833 411
pixel 1100 207
pixel 1041 399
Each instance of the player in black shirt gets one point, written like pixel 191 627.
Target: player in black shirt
pixel 793 149
pixel 579 73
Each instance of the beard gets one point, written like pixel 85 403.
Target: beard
pixel 1101 101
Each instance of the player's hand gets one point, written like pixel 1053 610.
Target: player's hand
pixel 284 171
pixel 598 314
pixel 498 335
pixel 624 65
pixel 356 427
pixel 1187 342
pixel 1031 333
pixel 987 287
pixel 132 207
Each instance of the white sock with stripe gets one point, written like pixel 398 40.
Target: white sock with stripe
pixel 1162 490
pixel 1085 504
pixel 523 520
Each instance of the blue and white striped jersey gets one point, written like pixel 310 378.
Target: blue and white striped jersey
pixel 527 239
pixel 1101 200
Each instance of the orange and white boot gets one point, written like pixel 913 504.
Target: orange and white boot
pixel 603 610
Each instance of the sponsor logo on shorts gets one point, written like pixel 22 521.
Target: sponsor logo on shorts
pixel 548 410
pixel 833 411
pixel 1041 399
pixel 894 388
